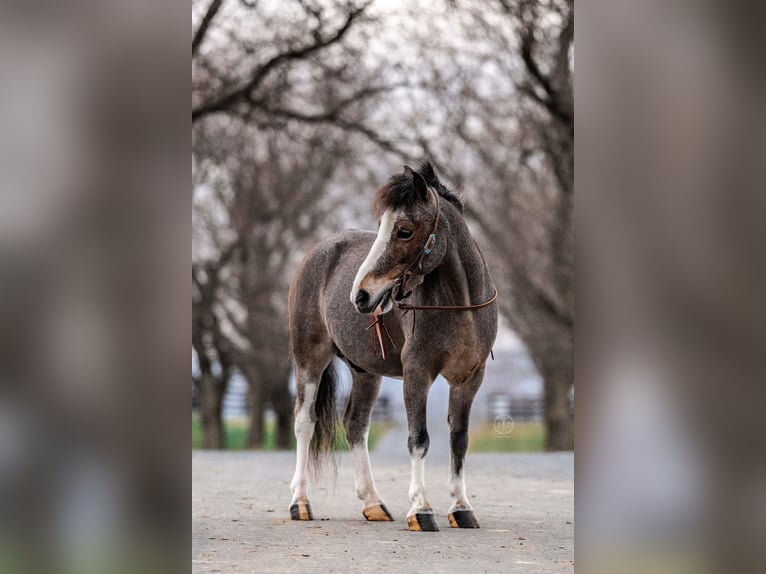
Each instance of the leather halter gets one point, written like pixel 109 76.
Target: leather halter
pixel 399 290
pixel 400 283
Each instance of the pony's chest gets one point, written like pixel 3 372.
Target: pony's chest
pixel 461 363
pixel 462 349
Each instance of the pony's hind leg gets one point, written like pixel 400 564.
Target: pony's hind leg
pixel 306 384
pixel 460 400
pixel 311 401
pixel 364 392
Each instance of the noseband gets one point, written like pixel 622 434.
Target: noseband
pixel 400 292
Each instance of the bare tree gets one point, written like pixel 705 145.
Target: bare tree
pixel 274 194
pixel 291 111
pixel 507 138
pixel 213 352
pixel 257 75
pixel 527 217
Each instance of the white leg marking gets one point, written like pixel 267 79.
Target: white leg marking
pixel 457 491
pixel 417 490
pixel 304 430
pixel 377 249
pixel 363 480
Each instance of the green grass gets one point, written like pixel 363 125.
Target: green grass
pixel 524 437
pixel 235 435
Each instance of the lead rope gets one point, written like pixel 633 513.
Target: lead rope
pixel 377 323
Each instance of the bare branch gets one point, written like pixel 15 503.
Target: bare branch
pixel 244 92
pixel 335 112
pixel 207 19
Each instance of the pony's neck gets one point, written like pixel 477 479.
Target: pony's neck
pixel 462 277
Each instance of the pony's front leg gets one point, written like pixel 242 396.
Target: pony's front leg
pixel 460 400
pixel 416 386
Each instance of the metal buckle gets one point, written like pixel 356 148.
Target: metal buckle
pixel 429 244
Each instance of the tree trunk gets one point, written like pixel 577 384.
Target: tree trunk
pixel 555 363
pixel 211 394
pixel 559 427
pixel 281 402
pixel 255 433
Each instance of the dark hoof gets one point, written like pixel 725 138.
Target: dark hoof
pixel 377 513
pixel 463 519
pixel 422 522
pixel 301 511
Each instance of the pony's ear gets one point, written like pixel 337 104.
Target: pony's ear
pixel 420 186
pixel 418 183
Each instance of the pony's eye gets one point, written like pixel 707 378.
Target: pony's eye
pixel 403 233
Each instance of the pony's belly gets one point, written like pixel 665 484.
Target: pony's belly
pixel 391 366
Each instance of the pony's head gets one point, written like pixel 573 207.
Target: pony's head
pixel 407 208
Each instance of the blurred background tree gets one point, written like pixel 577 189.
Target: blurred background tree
pixel 301 108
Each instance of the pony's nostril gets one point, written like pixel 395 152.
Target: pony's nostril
pixel 362 298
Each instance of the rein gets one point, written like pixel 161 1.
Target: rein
pixel 408 307
pixel 400 285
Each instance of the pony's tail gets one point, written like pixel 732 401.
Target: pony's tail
pixel 322 445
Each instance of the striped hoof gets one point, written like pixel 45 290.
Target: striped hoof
pixel 422 522
pixel 301 511
pixel 463 519
pixel 377 513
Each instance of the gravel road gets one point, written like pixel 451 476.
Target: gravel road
pixel 240 523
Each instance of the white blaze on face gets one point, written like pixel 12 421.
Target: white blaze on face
pixel 376 251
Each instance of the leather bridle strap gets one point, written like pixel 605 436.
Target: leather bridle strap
pixel 401 281
pixel 375 322
pixel 408 307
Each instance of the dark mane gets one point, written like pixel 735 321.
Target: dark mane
pixel 399 192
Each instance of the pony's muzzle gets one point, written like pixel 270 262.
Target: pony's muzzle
pixel 362 301
pixel 366 302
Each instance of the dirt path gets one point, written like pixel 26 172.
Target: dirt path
pixel 524 502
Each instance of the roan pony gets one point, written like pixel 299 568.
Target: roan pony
pixel 412 302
